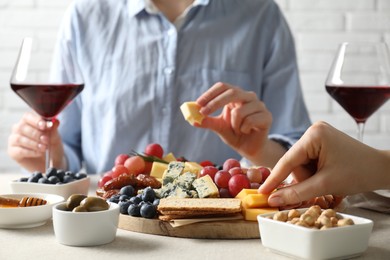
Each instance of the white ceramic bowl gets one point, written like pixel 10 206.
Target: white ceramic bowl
pixel 85 228
pixel 65 190
pixel 306 243
pixel 27 217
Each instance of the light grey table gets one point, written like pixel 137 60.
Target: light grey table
pixel 40 242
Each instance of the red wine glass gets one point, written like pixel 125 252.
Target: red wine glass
pixel 359 79
pixel 46 96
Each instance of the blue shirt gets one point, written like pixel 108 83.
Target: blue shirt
pixel 138 70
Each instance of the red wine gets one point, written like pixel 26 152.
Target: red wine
pixel 47 99
pixel 360 101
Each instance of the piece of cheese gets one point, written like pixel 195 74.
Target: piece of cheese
pixel 158 169
pixel 255 201
pixel 192 167
pixel 174 170
pixel 244 192
pixel 251 214
pixel 169 157
pixel 206 187
pixel 190 111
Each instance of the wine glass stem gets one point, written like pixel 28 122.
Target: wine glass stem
pixel 49 124
pixel 360 132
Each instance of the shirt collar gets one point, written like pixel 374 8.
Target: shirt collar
pixel 137 6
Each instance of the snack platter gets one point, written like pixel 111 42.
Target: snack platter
pixel 226 229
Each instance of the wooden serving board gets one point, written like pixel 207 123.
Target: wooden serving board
pixel 232 229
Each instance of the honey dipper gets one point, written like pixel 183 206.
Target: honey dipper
pixel 24 202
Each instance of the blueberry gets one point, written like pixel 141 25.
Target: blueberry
pixel 134 210
pixel 135 200
pixel 44 180
pixel 124 206
pixel 51 171
pixel 124 198
pixel 23 179
pixel 148 211
pixel 53 179
pixel 35 177
pixel 156 202
pixel 148 194
pixel 127 190
pixel 67 179
pixel 60 174
pixel 70 173
pixel 80 175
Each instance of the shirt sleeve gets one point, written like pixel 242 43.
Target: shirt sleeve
pixel 282 92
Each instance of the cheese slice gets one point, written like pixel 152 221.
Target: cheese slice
pixel 158 169
pixel 251 214
pixel 244 192
pixel 255 201
pixel 206 187
pixel 190 111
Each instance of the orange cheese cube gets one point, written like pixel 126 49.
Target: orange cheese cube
pixel 255 201
pixel 244 192
pixel 251 214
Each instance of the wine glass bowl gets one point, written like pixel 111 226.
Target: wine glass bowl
pixel 359 79
pixel 47 96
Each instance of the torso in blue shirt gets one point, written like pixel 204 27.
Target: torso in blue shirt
pixel 139 69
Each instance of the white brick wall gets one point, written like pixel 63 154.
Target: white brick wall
pixel 318 27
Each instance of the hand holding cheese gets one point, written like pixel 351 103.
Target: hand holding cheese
pixel 243 124
pixel 327 161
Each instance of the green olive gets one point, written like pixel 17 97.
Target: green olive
pixel 94 204
pixel 79 209
pixel 74 201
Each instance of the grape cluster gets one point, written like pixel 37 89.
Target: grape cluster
pixel 53 176
pixel 136 205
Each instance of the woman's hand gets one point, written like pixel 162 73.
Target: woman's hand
pixel 243 124
pixel 29 139
pixel 326 161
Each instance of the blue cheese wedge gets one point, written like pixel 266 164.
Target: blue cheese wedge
pixel 172 173
pixel 185 180
pixel 205 187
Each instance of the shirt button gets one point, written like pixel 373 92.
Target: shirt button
pixel 169 70
pixel 171 32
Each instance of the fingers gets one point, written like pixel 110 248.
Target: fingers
pixel 242 109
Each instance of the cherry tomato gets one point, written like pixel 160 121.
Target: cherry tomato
pixel 206 163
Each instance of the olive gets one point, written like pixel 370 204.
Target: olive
pixel 74 201
pixel 79 209
pixel 94 204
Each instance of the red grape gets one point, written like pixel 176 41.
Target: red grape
pixel 209 170
pixel 119 170
pixel 105 178
pixel 235 170
pixel 224 193
pixel 222 178
pixel 206 163
pixel 121 158
pixel 254 175
pixel 255 185
pixel 154 150
pixel 237 183
pixel 265 172
pixel 135 165
pixel 230 163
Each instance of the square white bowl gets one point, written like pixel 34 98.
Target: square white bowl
pixel 85 228
pixel 65 190
pixel 306 243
